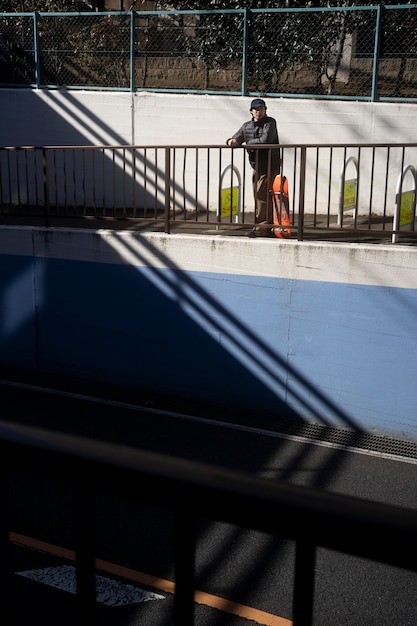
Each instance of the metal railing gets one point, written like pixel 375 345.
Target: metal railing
pixel 340 192
pixel 382 533
pixel 349 52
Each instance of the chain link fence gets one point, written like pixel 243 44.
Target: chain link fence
pixel 367 53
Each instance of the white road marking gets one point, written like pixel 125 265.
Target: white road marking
pixel 109 592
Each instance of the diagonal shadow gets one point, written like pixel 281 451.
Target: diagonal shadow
pixel 245 345
pixel 99 134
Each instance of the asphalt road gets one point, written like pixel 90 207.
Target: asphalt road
pixel 252 569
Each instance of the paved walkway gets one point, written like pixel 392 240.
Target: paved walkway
pixel 316 227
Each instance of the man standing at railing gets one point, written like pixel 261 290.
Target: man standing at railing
pixel 261 129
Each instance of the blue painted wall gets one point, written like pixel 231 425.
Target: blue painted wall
pixel 323 333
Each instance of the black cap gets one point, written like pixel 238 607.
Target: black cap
pixel 258 102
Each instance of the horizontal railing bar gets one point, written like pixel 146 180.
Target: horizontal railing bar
pixel 368 529
pixel 184 185
pixel 222 146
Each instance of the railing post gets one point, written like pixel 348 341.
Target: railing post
pixel 305 559
pixel 6 570
pixel 167 187
pixel 301 193
pixel 85 550
pixel 184 569
pixel 45 184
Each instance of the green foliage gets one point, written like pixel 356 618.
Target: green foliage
pixel 45 6
pixel 265 4
pixel 276 45
pixel 275 41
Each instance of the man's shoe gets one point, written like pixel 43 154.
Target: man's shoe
pixel 261 232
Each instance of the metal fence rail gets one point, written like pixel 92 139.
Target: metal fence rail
pixel 374 531
pixel 358 53
pixel 342 192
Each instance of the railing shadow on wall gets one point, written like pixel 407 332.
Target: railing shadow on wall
pixel 381 533
pixel 177 187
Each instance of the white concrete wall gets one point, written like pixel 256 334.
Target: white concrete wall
pixel 31 117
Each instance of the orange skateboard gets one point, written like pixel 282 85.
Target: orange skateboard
pixel 281 207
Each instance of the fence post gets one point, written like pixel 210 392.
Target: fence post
pixel 246 13
pixel 37 50
pixel 377 50
pixel 132 49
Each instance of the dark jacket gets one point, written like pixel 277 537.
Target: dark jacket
pixel 262 132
